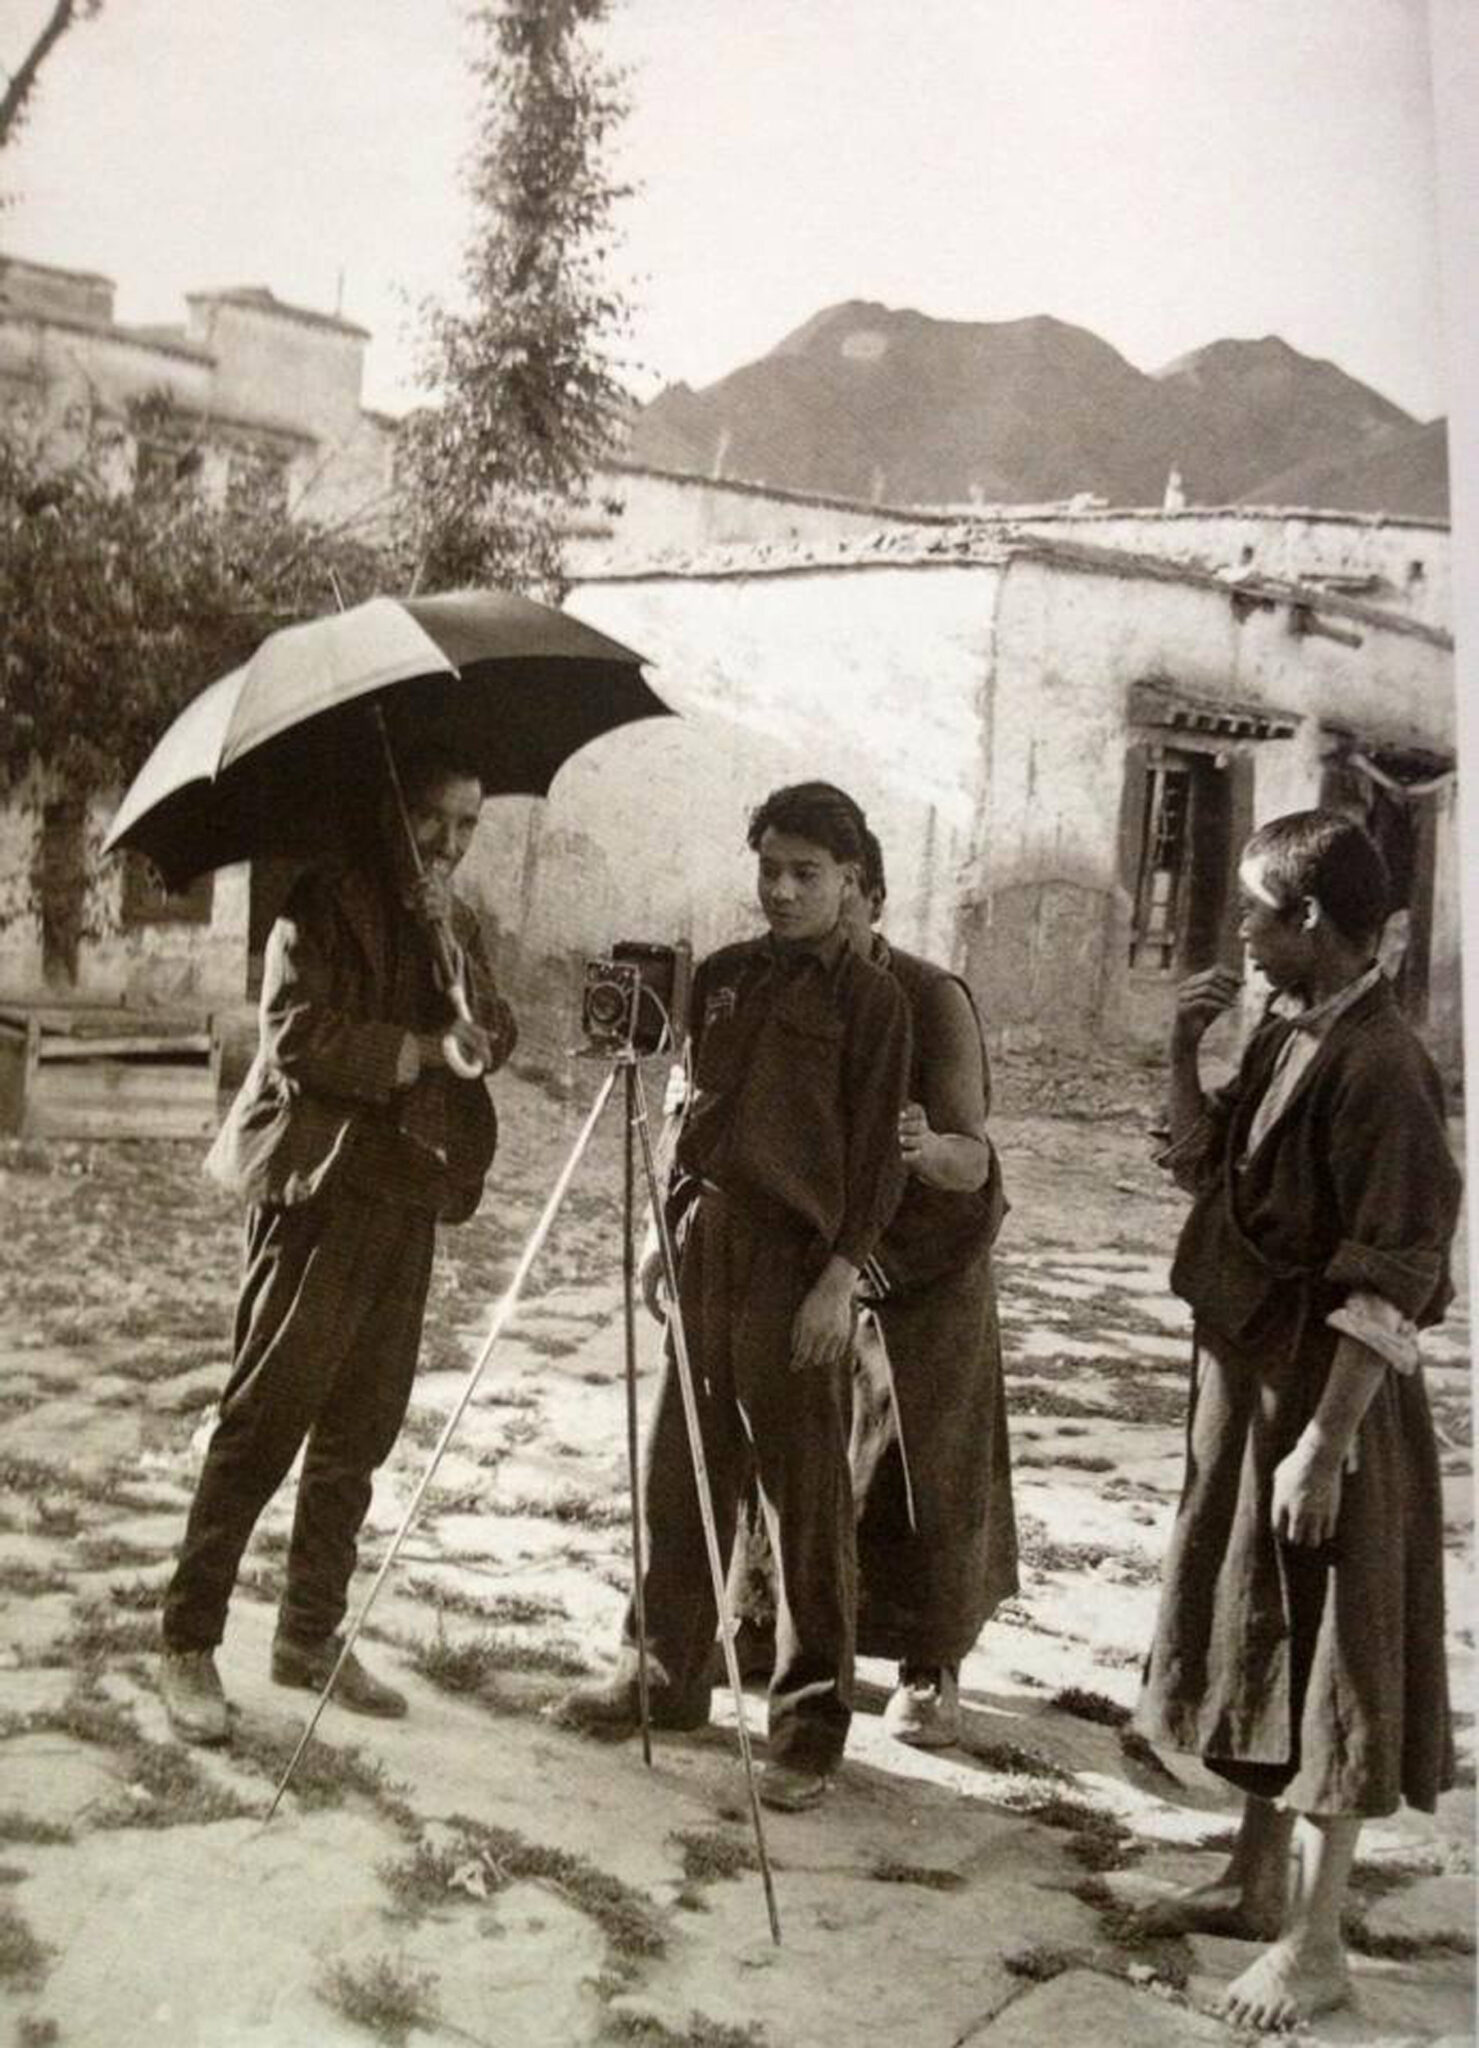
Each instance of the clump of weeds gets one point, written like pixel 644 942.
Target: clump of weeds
pixel 1090 1706
pixel 475 1667
pixel 930 1877
pixel 23 1959
pixel 483 1860
pixel 383 1997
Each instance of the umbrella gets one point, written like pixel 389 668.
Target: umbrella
pixel 285 754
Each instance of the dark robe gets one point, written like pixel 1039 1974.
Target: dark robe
pixel 1325 1666
pixel 926 1592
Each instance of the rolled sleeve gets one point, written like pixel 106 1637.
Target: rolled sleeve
pixel 1186 1158
pixel 1381 1326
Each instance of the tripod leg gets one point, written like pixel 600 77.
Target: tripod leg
pixel 501 1316
pixel 705 1501
pixel 629 1304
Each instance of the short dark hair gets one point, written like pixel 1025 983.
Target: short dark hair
pixel 1328 856
pixel 874 884
pixel 818 811
pixel 420 768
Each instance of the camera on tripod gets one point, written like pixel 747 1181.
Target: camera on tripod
pixel 630 1000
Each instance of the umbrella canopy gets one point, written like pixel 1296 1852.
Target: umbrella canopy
pixel 284 754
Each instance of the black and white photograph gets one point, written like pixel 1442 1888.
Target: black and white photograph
pixel 734 874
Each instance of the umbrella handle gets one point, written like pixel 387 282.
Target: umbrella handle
pixel 462 1064
pixel 448 968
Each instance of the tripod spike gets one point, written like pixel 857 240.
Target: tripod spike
pixel 706 1504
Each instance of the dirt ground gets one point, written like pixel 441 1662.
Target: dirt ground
pixel 475 1874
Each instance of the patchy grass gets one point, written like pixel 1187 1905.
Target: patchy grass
pixel 1016 1760
pixel 325 1776
pixel 645 2030
pixel 709 1857
pixel 29 1581
pixel 576 1510
pixel 484 1859
pixel 384 1997
pixel 16 1826
pixel 109 1553
pixel 505 1609
pixel 1097 1838
pixel 23 1959
pixel 1403 1948
pixel 139 1596
pixel 1090 1706
pixel 98 1637
pixel 887 1870
pixel 1041 1964
pixel 1135 1747
pixel 475 1666
pixel 162 1786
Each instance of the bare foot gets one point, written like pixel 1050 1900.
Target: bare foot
pixel 1289 1982
pixel 1219 1908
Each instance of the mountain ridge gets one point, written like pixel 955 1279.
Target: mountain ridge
pixel 885 404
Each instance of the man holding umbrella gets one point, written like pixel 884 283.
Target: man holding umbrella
pixel 362 1122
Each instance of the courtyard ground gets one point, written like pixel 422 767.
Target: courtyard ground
pixel 476 1874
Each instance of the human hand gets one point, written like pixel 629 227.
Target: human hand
pixel 916 1139
pixel 822 1328
pixel 429 896
pixel 1306 1497
pixel 1201 999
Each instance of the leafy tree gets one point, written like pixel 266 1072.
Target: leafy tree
pixel 526 399
pixel 118 609
pixel 21 83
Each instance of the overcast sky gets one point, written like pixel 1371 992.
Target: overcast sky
pixel 1164 172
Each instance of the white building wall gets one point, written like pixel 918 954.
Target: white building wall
pixel 1046 909
pixel 872 678
pixel 1407 563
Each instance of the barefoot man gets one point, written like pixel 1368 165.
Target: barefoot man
pixel 1299 1645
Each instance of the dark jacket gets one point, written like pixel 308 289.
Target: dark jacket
pixel 1356 1188
pixel 347 976
pixel 800 1059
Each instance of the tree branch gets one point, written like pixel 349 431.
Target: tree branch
pixel 22 82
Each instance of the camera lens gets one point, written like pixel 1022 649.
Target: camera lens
pixel 606 1006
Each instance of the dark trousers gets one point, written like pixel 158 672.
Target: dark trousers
pixel 327 1331
pixel 740 1285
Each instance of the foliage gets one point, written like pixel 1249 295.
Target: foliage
pixel 119 607
pixel 525 397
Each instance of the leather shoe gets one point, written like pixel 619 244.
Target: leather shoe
pixel 194 1700
pixel 613 1708
pixel 309 1665
pixel 792 1788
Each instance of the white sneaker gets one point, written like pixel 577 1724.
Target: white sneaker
pixel 924 1708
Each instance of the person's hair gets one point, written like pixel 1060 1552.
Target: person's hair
pixel 422 768
pixel 1325 855
pixel 817 811
pixel 875 887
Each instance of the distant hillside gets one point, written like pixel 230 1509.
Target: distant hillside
pixel 895 407
pixel 1404 470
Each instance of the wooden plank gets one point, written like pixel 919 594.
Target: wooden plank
pixel 91 1084
pixel 62 1120
pixel 158 1050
